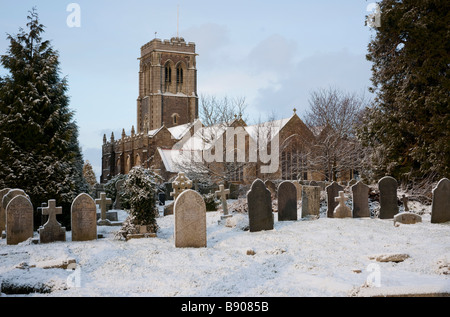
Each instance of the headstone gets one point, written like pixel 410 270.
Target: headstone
pixel 287 201
pixel 271 186
pixel 118 200
pixel 260 216
pixel 360 193
pixel 44 218
pixel 180 184
pixel 440 207
pixel 332 192
pixel 407 218
pixel 52 231
pixel 299 189
pixel 84 218
pixel 10 194
pixel 103 202
pixel 222 195
pixel 190 220
pixel 388 197
pixel 342 210
pixel 310 201
pixel 3 192
pixel 19 220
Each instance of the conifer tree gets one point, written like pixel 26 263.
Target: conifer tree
pixel 39 150
pixel 409 126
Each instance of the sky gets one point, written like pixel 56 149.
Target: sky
pixel 272 53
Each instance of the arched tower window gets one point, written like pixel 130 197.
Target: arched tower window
pixel 168 75
pixel 180 76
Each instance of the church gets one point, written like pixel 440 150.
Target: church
pixel 168 130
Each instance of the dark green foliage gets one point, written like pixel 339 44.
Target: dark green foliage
pixel 110 186
pixel 409 126
pixel 140 196
pixel 39 149
pixel 211 202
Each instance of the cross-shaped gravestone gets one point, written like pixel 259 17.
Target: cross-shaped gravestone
pixel 222 195
pixel 103 202
pixel 180 184
pixel 342 210
pixel 52 231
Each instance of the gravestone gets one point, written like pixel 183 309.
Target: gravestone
pixel 332 192
pixel 222 195
pixel 118 200
pixel 388 197
pixel 19 220
pixel 360 193
pixel 190 220
pixel 271 186
pixel 3 192
pixel 84 218
pixel 103 202
pixel 52 231
pixel 407 218
pixel 260 216
pixel 180 184
pixel 342 210
pixel 405 201
pixel 311 201
pixel 440 207
pixel 10 194
pixel 287 201
pixel 299 190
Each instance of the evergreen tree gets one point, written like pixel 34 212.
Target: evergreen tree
pixel 409 125
pixel 89 174
pixel 39 150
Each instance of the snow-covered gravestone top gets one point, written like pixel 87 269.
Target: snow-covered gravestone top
pixel 19 220
pixel 342 210
pixel 3 192
pixel 287 201
pixel 84 218
pixel 332 192
pixel 222 195
pixel 260 216
pixel 440 207
pixel 190 220
pixel 52 231
pixel 180 184
pixel 104 203
pixel 360 192
pixel 388 197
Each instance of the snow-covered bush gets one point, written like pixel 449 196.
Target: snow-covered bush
pixel 211 202
pixel 140 196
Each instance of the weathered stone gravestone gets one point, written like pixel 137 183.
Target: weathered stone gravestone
pixel 84 218
pixel 3 192
pixel 299 189
pixel 190 220
pixel 271 186
pixel 222 195
pixel 287 201
pixel 407 218
pixel 311 201
pixel 332 192
pixel 342 210
pixel 180 184
pixel 440 207
pixel 19 220
pixel 7 197
pixel 103 202
pixel 360 194
pixel 118 200
pixel 52 231
pixel 388 197
pixel 260 216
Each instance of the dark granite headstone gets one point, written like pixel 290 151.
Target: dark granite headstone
pixel 388 197
pixel 360 192
pixel 332 192
pixel 287 201
pixel 440 208
pixel 259 207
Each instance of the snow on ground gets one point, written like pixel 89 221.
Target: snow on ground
pixel 323 257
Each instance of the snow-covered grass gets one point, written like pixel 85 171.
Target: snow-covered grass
pixel 323 257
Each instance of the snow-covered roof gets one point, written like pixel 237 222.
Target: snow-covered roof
pixel 174 159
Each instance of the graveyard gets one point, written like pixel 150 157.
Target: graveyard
pixel 259 253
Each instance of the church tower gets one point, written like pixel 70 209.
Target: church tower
pixel 167 84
